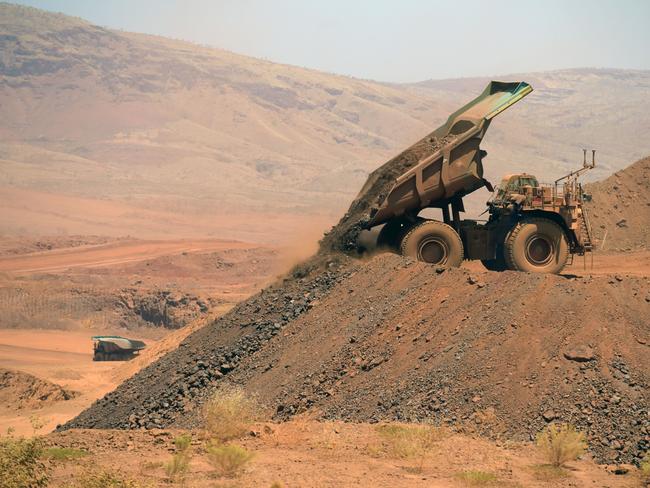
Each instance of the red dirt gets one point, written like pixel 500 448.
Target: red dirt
pixel 304 453
pixel 20 390
pixel 122 252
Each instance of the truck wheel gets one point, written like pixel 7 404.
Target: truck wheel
pixel 498 263
pixel 537 246
pixel 433 242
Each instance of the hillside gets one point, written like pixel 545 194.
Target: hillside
pixel 620 210
pixel 114 133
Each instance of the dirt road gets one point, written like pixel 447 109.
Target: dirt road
pixel 630 263
pixel 63 357
pixel 121 252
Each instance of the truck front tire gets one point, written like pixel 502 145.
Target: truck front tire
pixel 433 242
pixel 536 246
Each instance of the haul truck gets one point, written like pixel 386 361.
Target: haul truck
pixel 115 348
pixel 531 227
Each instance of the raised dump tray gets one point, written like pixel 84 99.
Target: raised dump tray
pixel 455 168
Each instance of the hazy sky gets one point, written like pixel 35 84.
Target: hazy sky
pixel 407 40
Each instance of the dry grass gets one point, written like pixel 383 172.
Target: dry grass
pixel 177 468
pixel 228 460
pixel 644 468
pixel 229 414
pixel 409 441
pixel 548 473
pixel 106 479
pixel 476 478
pixel 64 453
pixel 561 443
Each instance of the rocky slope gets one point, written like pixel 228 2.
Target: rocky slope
pixel 620 208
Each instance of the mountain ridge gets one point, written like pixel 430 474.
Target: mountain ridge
pixel 170 132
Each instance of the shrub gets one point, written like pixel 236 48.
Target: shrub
pixel 106 479
pixel 20 463
pixel 228 460
pixel 229 413
pixel 409 441
pixel 476 478
pixel 37 423
pixel 63 453
pixel 177 468
pixel 561 443
pixel 183 442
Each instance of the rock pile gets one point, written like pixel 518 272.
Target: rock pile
pixel 165 391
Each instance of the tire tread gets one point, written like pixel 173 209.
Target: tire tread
pixel 413 229
pixel 510 240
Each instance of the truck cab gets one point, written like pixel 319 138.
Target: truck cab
pixel 516 184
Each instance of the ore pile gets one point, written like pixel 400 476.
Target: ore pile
pixel 343 236
pixel 166 390
pixel 498 354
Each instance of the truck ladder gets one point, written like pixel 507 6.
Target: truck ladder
pixel 585 231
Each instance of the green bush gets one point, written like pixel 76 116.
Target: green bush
pixel 229 413
pixel 228 460
pixel 20 463
pixel 561 443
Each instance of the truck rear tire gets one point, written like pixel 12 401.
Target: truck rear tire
pixel 537 246
pixel 433 242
